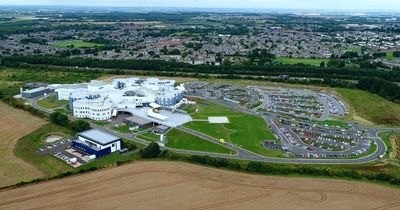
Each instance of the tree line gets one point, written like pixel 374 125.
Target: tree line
pixel 256 70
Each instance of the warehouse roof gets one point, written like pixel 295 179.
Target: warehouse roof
pixel 138 120
pixel 99 136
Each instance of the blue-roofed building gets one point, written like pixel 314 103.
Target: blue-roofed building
pixel 95 142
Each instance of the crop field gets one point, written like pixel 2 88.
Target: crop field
pixel 75 44
pixel 244 130
pixel 14 124
pixel 173 185
pixel 371 107
pixel 180 140
pixel 307 61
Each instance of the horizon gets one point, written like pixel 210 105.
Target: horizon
pixel 255 5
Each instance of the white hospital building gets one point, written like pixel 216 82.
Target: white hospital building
pixel 99 100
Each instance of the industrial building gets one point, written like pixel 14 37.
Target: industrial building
pixel 98 143
pixel 33 93
pixel 138 121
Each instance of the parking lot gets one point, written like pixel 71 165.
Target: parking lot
pixel 292 115
pixel 62 150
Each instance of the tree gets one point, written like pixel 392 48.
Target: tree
pixel 336 63
pixel 59 119
pixel 322 64
pixel 1 95
pixel 79 125
pixel 151 151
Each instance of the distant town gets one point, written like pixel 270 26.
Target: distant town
pixel 204 38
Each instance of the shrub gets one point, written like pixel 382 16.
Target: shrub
pixel 79 125
pixel 59 119
pixel 151 151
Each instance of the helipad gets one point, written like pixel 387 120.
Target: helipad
pixel 219 120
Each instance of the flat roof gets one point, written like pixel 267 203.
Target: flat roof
pixel 100 137
pixel 138 120
pixel 174 119
pixel 36 90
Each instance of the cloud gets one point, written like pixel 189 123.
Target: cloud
pixel 288 4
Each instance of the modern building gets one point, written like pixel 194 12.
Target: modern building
pixel 99 100
pixel 98 143
pixel 33 93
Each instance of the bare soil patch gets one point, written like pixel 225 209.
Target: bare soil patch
pixel 14 124
pixel 173 185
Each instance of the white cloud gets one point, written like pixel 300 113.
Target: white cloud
pixel 290 4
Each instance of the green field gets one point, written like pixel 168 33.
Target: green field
pixel 51 102
pixel 372 107
pixel 48 164
pixel 75 44
pixel 180 140
pixel 122 129
pixel 307 61
pixel 149 136
pixel 11 77
pixel 244 130
pixel 336 123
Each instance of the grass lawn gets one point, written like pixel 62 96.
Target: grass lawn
pixel 76 44
pixel 338 123
pixel 26 150
pixel 101 123
pixel 180 140
pixel 389 55
pixel 150 136
pixel 122 129
pixel 244 130
pixel 63 111
pixel 392 150
pixel 372 107
pixel 51 102
pixel 307 61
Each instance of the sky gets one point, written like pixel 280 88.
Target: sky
pixel 360 5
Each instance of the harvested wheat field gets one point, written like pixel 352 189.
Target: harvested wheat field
pixel 15 124
pixel 173 185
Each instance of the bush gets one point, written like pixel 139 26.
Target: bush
pixel 79 125
pixel 151 151
pixel 59 119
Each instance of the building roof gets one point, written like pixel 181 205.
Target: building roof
pixel 162 127
pixel 99 136
pixel 36 90
pixel 138 120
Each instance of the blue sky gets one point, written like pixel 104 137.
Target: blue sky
pixel 268 4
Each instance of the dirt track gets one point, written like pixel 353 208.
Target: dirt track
pixel 14 124
pixel 170 185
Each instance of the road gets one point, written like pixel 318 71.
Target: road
pixel 243 154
